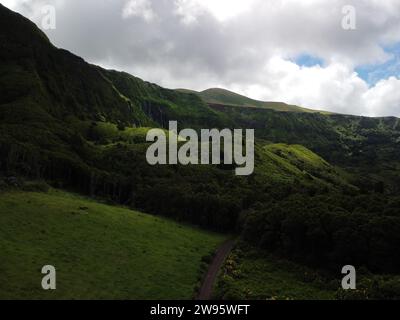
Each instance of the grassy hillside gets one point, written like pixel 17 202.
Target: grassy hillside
pixel 295 164
pixel 99 251
pixel 225 97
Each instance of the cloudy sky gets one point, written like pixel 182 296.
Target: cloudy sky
pixel 295 51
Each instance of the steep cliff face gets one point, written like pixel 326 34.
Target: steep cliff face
pixel 64 85
pixel 33 71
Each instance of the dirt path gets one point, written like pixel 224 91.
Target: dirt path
pixel 212 274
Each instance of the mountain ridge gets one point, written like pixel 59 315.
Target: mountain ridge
pixel 220 96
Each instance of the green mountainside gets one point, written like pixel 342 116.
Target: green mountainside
pixel 79 126
pixel 319 178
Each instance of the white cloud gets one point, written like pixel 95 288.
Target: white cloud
pixel 222 10
pixel 139 8
pixel 384 98
pixel 333 87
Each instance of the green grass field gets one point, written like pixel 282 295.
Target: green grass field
pixel 99 251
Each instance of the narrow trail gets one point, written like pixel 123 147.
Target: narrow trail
pixel 212 273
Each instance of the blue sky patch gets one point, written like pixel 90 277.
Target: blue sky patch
pixel 306 60
pixel 374 73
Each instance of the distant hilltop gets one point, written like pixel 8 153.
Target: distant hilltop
pixel 229 98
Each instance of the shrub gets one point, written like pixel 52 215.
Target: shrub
pixel 373 288
pixel 388 289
